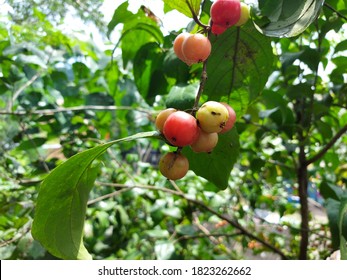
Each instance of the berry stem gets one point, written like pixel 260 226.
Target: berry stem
pixel 196 19
pixel 203 80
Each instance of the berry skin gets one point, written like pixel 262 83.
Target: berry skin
pixel 177 47
pixel 212 116
pixel 218 29
pixel 245 14
pixel 162 117
pixel 181 129
pixel 232 118
pixel 174 166
pixel 205 143
pixel 226 12
pixel 196 48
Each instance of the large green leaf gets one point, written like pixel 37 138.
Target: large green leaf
pixel 148 74
pixel 138 30
pixel 287 18
pixel 183 6
pixel 216 166
pixel 62 202
pixel 240 64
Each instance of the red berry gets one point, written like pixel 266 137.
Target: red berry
pixel 177 46
pixel 205 143
pixel 232 118
pixel 196 48
pixel 181 129
pixel 162 117
pixel 174 166
pixel 226 12
pixel 218 29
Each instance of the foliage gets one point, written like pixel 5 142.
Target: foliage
pixel 64 100
pixel 25 12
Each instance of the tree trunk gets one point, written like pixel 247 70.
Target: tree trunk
pixel 302 177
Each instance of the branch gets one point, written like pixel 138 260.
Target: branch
pixel 195 17
pixel 187 237
pixel 333 140
pixel 203 80
pixel 26 228
pixel 48 112
pixel 198 203
pixel 335 11
pixel 22 88
pixel 237 225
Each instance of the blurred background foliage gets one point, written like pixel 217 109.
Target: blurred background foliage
pixel 60 95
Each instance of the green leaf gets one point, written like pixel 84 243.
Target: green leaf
pixel 157 233
pixel 149 78
pixel 174 68
pixel 288 18
pixel 342 215
pixel 62 202
pixel 309 56
pixel 81 71
pixel 31 59
pixel 164 250
pixel 32 143
pixel 183 6
pixel 182 97
pixel 138 30
pixel 267 113
pixel 342 46
pixel 240 64
pixel 121 15
pixel 136 35
pixel 328 190
pixel 239 101
pixel 332 207
pixel 216 166
pixel 324 129
pixel 336 213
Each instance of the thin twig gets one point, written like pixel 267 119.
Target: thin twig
pixel 109 195
pixel 18 236
pixel 21 89
pixel 173 183
pixel 335 11
pixel 331 143
pixel 187 237
pixel 203 80
pixel 201 205
pixel 195 17
pixel 276 162
pixel 47 112
pixel 207 233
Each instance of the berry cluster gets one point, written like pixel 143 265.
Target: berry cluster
pixel 199 131
pixel 195 48
pixel 182 129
